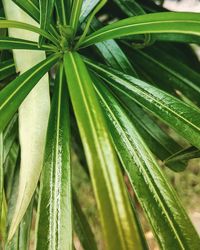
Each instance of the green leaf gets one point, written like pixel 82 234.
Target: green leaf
pixel 29 27
pixel 32 9
pixel 9 136
pixel 11 163
pixel 90 18
pixel 108 185
pixel 87 8
pixel 184 154
pixel 29 7
pixel 183 118
pixel 3 221
pixel 112 53
pixel 31 116
pixel 160 143
pixel 55 204
pixel 130 7
pixel 82 227
pixel 46 11
pixel 13 94
pixel 177 37
pixel 7 68
pixel 1 170
pixel 21 238
pixel 16 43
pixel 75 15
pixel 171 71
pixel 169 221
pixel 179 23
pixel 63 8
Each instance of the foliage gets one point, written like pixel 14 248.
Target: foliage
pixel 117 71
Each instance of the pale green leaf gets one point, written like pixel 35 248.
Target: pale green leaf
pixel 107 181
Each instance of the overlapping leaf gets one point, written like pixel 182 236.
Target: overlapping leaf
pixel 170 223
pixel 13 95
pixel 185 119
pixel 7 68
pixel 171 71
pixel 46 11
pixel 55 204
pixel 178 23
pixel 109 189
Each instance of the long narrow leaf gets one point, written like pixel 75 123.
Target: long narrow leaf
pixel 25 26
pixel 87 8
pixel 7 68
pixel 179 23
pixel 63 8
pixel 185 119
pixel 160 143
pixel 75 14
pixel 185 154
pixel 13 95
pixel 1 171
pixel 9 136
pixel 90 18
pixel 170 223
pixel 33 10
pixel 46 10
pixel 55 203
pixel 112 53
pixel 171 71
pixel 16 43
pixel 109 189
pixel 29 7
pixel 21 238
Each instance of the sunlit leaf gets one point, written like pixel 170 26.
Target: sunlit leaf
pixel 105 173
pixel 55 203
pixel 169 221
pixel 178 23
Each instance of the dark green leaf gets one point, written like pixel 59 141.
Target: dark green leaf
pixel 46 11
pixel 10 135
pixel 170 223
pixel 13 94
pixel 7 68
pixel 130 7
pixel 1 170
pixel 63 8
pixel 171 71
pixel 185 154
pixel 25 26
pixel 112 53
pixel 16 43
pixel 55 204
pixel 183 118
pixel 21 238
pixel 32 9
pixel 160 143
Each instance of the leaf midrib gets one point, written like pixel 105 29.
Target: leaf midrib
pixel 93 36
pixel 143 168
pixel 105 172
pixel 25 81
pixel 144 92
